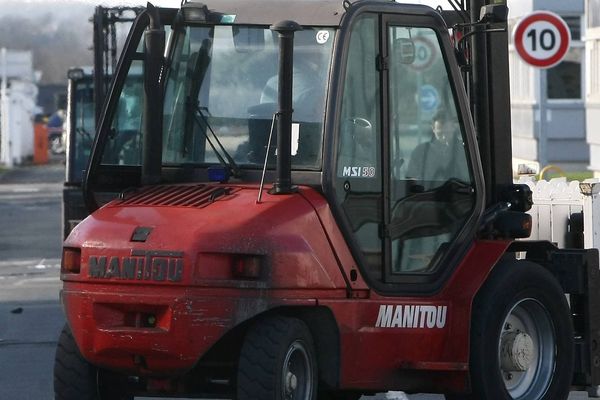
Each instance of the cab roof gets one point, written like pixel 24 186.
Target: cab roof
pixel 304 12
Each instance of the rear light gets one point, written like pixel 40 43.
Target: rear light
pixel 71 261
pixel 246 267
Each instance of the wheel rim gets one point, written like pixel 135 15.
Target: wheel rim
pixel 297 381
pixel 55 143
pixel 527 350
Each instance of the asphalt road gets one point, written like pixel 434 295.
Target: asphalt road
pixel 30 313
pixel 30 248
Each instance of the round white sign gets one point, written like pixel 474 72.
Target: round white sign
pixel 425 53
pixel 542 39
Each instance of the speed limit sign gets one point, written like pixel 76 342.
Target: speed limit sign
pixel 425 53
pixel 542 39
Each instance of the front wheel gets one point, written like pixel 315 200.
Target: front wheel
pixel 522 336
pixel 77 379
pixel 277 361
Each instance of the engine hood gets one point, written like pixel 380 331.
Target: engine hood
pixel 195 234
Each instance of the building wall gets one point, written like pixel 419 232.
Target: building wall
pixel 548 131
pixel 592 90
pixel 22 108
pixel 524 108
pixel 560 6
pixel 18 94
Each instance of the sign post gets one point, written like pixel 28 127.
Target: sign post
pixel 542 39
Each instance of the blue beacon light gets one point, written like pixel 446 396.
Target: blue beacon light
pixel 218 174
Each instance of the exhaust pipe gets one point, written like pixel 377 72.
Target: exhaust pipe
pixel 285 29
pixel 154 39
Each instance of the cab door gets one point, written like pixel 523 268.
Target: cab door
pixel 432 186
pixel 407 193
pixel 407 184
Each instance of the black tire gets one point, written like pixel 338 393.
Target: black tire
pixel 74 377
pixel 521 307
pixel 277 352
pixel 77 379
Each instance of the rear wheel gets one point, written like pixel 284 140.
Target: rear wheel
pixel 277 361
pixel 74 378
pixel 77 379
pixel 522 336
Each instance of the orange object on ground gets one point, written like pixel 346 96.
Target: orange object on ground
pixel 40 141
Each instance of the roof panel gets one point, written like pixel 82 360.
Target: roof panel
pixel 268 12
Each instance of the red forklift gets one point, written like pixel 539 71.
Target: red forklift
pixel 314 200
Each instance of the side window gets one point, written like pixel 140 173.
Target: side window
pixel 85 122
pixel 431 186
pixel 358 180
pixel 124 144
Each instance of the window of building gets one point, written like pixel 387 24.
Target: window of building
pixel 593 13
pixel 574 24
pixel 564 81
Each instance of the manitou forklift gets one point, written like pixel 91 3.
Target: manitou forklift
pixel 308 204
pixel 78 139
pixel 87 88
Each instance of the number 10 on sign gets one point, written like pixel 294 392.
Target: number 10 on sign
pixel 542 39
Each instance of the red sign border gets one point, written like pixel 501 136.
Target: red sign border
pixel 427 43
pixel 563 30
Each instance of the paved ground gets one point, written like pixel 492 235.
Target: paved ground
pixel 30 248
pixel 30 314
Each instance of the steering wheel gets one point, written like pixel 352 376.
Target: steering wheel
pixel 361 122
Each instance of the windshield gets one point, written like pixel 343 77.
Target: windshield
pixel 223 79
pixel 84 121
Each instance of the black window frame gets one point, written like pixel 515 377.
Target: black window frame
pixel 417 16
pixel 107 178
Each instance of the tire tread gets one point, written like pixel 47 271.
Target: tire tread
pixel 258 363
pixel 73 376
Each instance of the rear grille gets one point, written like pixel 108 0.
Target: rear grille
pixel 196 196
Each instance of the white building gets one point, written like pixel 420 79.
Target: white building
pixel 592 87
pixel 548 105
pixel 18 94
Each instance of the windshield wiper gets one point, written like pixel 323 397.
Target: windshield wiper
pixel 226 161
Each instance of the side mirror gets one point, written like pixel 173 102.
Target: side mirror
pixel 493 13
pixel 519 196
